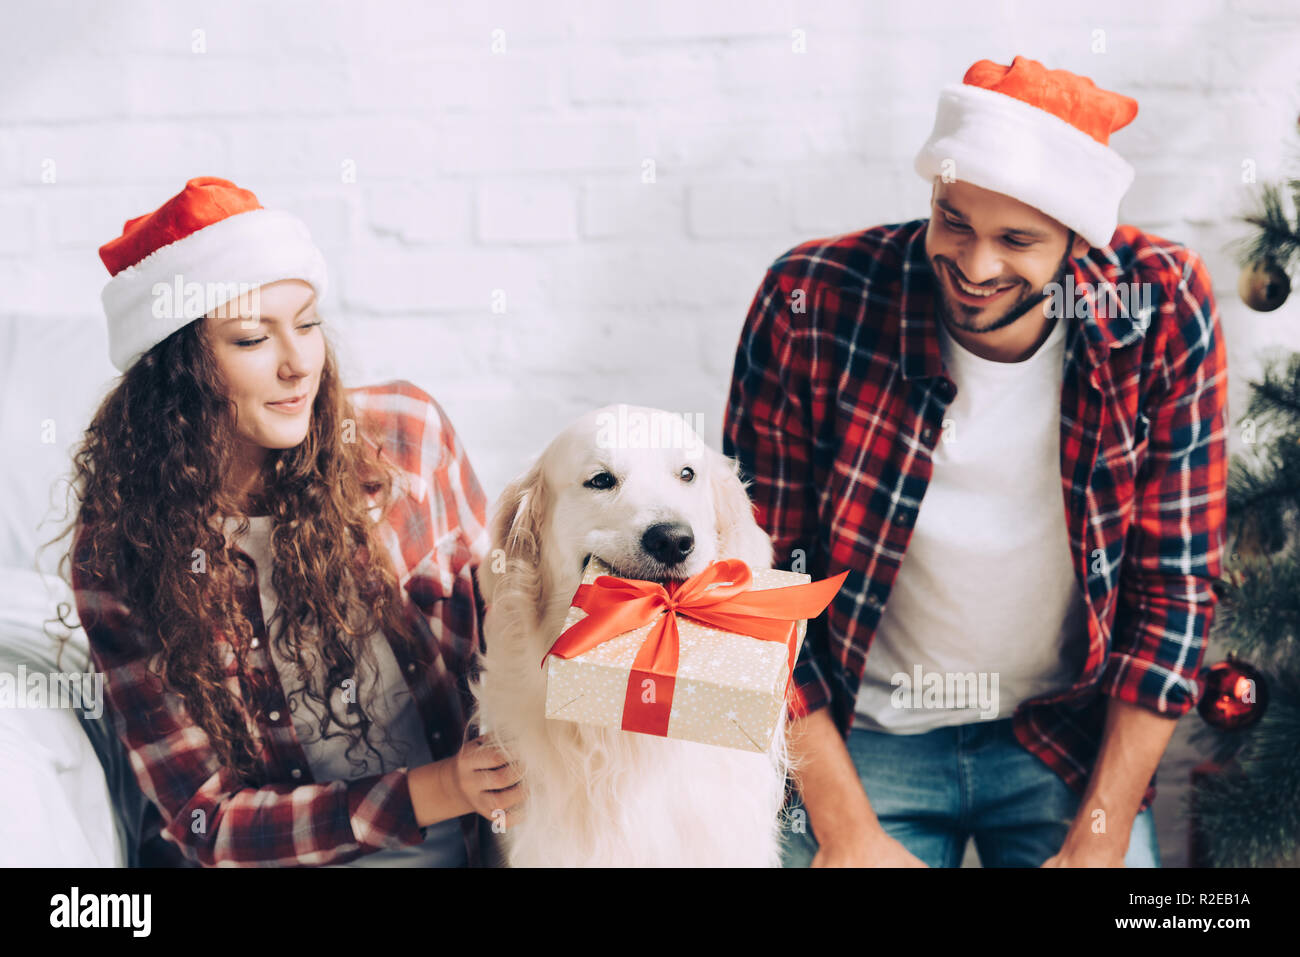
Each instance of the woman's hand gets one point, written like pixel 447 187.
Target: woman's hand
pixel 490 784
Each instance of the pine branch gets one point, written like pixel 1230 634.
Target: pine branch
pixel 1276 397
pixel 1261 495
pixel 1250 813
pixel 1219 745
pixel 1260 620
pixel 1264 484
pixel 1276 238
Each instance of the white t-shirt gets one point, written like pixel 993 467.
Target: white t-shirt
pixel 985 612
pixel 396 730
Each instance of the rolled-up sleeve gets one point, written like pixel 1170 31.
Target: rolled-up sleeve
pixel 769 431
pixel 1174 550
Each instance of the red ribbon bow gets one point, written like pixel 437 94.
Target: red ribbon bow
pixel 615 606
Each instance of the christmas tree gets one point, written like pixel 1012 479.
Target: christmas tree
pixel 1245 803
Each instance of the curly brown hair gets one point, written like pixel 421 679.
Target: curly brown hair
pixel 148 476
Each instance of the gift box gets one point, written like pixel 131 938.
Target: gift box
pixel 706 660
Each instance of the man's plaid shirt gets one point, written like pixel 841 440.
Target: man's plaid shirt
pixel 837 401
pixel 436 535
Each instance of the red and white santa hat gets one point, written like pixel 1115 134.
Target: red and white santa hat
pixel 1037 135
pixel 211 242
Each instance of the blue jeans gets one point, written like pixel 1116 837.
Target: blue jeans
pixel 934 791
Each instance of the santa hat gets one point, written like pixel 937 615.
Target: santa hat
pixel 207 245
pixel 1037 135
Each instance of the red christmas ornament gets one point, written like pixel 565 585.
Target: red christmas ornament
pixel 1235 695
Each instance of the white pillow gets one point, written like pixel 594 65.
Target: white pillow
pixel 58 811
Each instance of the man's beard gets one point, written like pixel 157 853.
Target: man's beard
pixel 1032 299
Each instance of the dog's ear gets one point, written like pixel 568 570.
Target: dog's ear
pixel 739 535
pixel 516 532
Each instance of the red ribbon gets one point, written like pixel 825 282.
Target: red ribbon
pixel 615 606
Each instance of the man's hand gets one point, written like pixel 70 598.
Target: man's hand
pixel 879 850
pixel 1088 850
pixel 1089 843
pixel 847 831
pixel 1132 743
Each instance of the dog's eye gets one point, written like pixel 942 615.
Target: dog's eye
pixel 687 474
pixel 601 480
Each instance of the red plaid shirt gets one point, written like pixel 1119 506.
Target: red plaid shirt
pixel 838 399
pixel 436 536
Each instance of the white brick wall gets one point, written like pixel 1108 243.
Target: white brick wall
pixel 523 170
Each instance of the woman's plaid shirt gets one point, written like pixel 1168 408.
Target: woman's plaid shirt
pixel 837 401
pixel 436 536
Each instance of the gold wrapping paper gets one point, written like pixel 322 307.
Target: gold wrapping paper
pixel 729 691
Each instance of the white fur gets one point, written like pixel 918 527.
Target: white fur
pixel 597 796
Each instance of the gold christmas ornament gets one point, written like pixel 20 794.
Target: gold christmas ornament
pixel 1263 286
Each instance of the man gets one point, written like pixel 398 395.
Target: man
pixel 1006 660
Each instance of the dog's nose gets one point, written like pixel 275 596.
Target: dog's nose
pixel 668 542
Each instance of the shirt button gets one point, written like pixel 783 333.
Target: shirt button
pixel 437 735
pixel 274 716
pixel 903 518
pixel 254 643
pixel 296 773
pixel 927 434
pixel 411 668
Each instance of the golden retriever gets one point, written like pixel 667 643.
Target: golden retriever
pixel 650 509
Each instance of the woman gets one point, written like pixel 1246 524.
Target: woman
pixel 238 557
